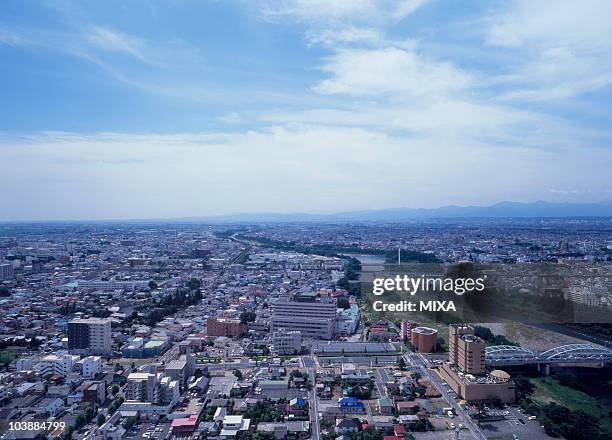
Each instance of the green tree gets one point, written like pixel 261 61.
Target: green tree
pixel 101 419
pixel 402 364
pixel 194 284
pixel 247 316
pixel 343 303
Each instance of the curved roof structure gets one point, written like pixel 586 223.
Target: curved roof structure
pixel 500 375
pixel 425 330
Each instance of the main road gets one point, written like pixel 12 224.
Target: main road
pixel 313 403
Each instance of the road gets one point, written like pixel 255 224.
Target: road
pixel 380 382
pixel 419 361
pixel 313 402
pixel 169 355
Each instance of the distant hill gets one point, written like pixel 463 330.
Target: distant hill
pixel 539 209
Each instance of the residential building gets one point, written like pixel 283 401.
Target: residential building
pixel 6 271
pixel 89 336
pixel 56 364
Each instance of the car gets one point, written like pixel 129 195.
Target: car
pixel 532 417
pixel 452 425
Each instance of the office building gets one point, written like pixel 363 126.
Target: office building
pixel 471 354
pixel 465 350
pixel 314 319
pixel 231 328
pixel 287 343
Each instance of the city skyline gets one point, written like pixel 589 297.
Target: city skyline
pixel 147 110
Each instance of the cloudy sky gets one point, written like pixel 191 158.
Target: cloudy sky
pixel 140 109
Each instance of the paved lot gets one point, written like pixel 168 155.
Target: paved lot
pixel 507 429
pixel 149 431
pixel 441 435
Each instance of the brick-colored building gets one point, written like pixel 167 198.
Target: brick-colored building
pixel 231 328
pixel 424 339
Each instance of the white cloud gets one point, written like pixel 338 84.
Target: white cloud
pixel 336 23
pixel 563 47
pixel 557 22
pixel 10 38
pixel 347 35
pixel 390 71
pixel 114 41
pixel 341 11
pixel 322 167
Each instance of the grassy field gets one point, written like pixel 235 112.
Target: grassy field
pixel 548 390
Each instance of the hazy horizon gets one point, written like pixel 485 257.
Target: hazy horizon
pixel 235 215
pixel 141 110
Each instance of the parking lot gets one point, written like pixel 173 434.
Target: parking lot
pixel 515 426
pixel 149 431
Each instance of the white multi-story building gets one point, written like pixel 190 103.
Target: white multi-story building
pixel 347 320
pixel 287 343
pixel 142 387
pixel 313 319
pixel 232 425
pixel 91 366
pixel 4 393
pixel 56 364
pixel 112 284
pixel 157 388
pixel 24 364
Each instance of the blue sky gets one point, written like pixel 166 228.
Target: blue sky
pixel 134 109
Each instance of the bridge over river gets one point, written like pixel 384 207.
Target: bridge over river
pixel 500 355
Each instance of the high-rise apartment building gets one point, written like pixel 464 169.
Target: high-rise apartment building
pixel 89 336
pixel 6 271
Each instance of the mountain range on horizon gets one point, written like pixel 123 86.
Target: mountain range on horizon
pixel 538 209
